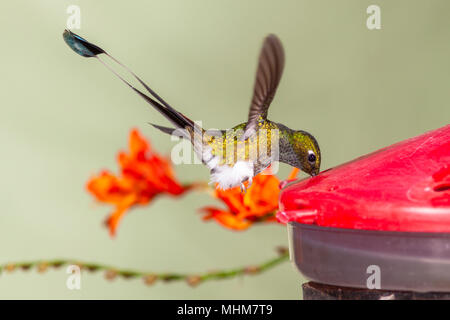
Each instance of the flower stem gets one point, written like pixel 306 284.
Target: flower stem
pixel 201 186
pixel 151 277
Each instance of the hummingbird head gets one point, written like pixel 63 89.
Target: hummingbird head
pixel 307 152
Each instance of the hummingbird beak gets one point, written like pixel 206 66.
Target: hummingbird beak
pixel 315 172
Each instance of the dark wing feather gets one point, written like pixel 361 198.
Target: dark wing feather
pixel 268 75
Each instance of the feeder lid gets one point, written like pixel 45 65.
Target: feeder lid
pixel 403 187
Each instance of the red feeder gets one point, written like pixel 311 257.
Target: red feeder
pixel 388 210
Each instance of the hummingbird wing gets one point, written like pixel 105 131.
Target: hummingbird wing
pixel 268 75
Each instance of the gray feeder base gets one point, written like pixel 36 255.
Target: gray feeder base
pixel 317 291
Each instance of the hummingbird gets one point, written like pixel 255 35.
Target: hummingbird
pixel 236 155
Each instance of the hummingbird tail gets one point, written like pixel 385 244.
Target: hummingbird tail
pixel 87 49
pixel 174 116
pixel 163 129
pixel 182 132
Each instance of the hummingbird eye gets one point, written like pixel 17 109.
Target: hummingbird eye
pixel 311 157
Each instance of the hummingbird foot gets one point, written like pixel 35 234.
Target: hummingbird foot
pixel 245 188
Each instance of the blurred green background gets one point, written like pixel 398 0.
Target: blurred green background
pixel 63 118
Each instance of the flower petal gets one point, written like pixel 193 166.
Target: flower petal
pixel 226 219
pixel 143 176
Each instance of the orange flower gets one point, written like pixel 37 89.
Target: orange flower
pixel 144 175
pixel 258 204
